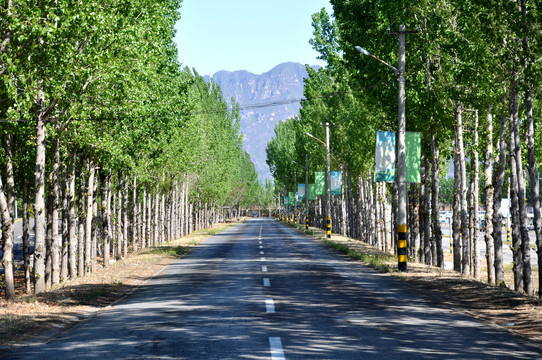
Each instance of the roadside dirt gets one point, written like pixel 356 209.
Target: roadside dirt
pixel 501 307
pixel 37 318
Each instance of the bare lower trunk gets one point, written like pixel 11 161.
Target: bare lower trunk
pixel 7 242
pixel 435 200
pixel 135 216
pixel 89 212
pixel 465 241
pixel 524 232
pixel 457 208
pixel 7 223
pixel 72 234
pixel 500 169
pixel 105 182
pixel 516 233
pixel 81 231
pixel 65 224
pixel 39 209
pixel 26 239
pixel 475 206
pixel 488 187
pixel 124 212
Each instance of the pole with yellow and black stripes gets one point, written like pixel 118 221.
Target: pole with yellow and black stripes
pixel 402 247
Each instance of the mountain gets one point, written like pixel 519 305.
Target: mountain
pixel 257 94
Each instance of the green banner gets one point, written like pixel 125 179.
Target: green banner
pixel 312 192
pixel 320 182
pixel 291 198
pixel 413 145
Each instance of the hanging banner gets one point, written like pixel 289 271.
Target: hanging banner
pixel 312 192
pixel 385 156
pixel 320 182
pixel 286 201
pixel 291 198
pixel 301 191
pixel 336 182
pixel 413 146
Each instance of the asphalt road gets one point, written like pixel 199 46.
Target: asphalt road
pixel 260 290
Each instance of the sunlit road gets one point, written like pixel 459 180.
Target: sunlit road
pixel 260 290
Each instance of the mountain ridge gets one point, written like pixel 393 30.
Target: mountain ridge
pixel 281 84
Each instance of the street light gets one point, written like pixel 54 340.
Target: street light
pixel 401 163
pixel 328 180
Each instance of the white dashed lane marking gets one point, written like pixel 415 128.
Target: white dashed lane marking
pixel 266 282
pixel 275 346
pixel 262 259
pixel 261 252
pixel 269 306
pixel 264 268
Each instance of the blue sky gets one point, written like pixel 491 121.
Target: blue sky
pixel 253 35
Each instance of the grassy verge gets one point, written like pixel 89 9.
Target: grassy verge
pixel 33 316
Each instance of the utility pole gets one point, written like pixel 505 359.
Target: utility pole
pixel 306 191
pixel 401 163
pixel 328 185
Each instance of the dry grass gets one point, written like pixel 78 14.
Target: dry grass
pixel 499 306
pixel 36 317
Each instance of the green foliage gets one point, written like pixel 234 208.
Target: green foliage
pixel 107 76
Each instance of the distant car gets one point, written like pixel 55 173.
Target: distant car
pixel 255 214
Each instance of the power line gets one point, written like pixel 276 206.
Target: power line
pixel 202 112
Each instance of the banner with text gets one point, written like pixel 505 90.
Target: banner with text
pixel 413 146
pixel 301 191
pixel 291 198
pixel 336 182
pixel 312 192
pixel 320 182
pixel 385 156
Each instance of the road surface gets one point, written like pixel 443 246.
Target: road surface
pixel 260 290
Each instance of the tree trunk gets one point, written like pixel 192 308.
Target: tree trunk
pixel 124 214
pixel 475 192
pixel 65 223
pixel 535 189
pixel 26 239
pixel 7 241
pixel 524 231
pixel 465 241
pixel 95 228
pixel 135 215
pixel 435 200
pixel 7 222
pixel 499 174
pixel 516 233
pixel 89 212
pixel 457 204
pixel 488 187
pixel 105 182
pixel 39 209
pixel 72 236
pixel 81 230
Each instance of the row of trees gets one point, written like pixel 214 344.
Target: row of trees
pixel 105 135
pixel 473 71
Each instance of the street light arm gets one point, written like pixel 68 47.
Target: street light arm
pixel 365 52
pixel 315 138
